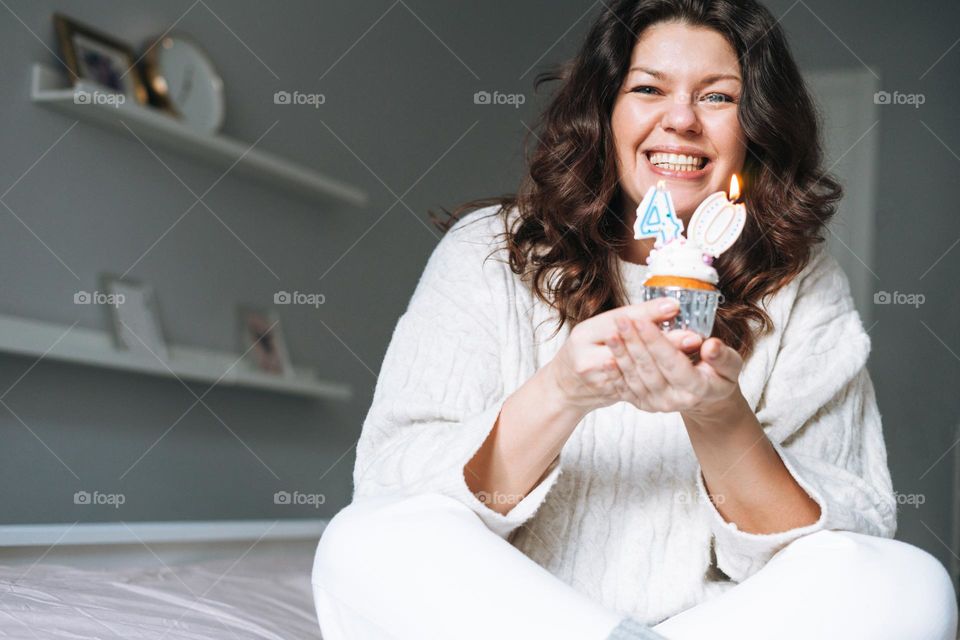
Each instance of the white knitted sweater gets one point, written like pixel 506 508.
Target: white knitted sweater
pixel 622 515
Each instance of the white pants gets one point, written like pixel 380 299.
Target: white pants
pixel 426 567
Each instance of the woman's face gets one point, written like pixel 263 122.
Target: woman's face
pixel 675 117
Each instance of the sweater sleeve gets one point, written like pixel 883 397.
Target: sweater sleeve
pixel 440 389
pixel 819 411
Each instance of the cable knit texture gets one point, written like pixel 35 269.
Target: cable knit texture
pixel 622 515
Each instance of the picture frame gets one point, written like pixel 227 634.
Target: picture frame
pixel 135 318
pixel 261 340
pixel 96 57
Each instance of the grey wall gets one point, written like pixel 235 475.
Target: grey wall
pixel 914 363
pixel 399 99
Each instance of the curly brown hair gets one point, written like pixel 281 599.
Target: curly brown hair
pixel 567 224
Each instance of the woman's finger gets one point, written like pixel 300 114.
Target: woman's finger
pixel 673 365
pixel 632 390
pixel 602 327
pixel 723 359
pixel 685 340
pixel 643 362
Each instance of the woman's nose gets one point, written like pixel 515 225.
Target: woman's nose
pixel 680 115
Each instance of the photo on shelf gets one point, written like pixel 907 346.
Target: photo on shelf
pixel 99 58
pixel 262 344
pixel 135 319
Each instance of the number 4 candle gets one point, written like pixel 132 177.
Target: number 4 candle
pixel 656 217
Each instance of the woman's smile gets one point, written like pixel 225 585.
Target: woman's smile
pixel 675 162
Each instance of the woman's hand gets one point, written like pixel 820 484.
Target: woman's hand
pixel 585 371
pixel 657 376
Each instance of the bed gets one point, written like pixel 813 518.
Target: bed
pixel 235 589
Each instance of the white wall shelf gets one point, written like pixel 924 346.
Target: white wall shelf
pixel 95 348
pixel 121 545
pixel 87 533
pixel 53 90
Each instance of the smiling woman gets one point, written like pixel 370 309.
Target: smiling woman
pixel 709 86
pixel 597 482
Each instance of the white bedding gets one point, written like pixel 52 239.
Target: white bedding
pixel 266 596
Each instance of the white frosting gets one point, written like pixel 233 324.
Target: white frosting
pixel 682 258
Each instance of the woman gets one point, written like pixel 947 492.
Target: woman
pixel 593 481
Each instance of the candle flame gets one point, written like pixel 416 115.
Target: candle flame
pixel 734 188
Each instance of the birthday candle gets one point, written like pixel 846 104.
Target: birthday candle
pixel 656 217
pixel 718 221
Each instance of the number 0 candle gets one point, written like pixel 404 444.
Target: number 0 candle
pixel 718 221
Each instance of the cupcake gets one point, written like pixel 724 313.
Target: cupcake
pixel 682 267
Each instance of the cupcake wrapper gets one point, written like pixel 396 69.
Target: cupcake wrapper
pixel 698 308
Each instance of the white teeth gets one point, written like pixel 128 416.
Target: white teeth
pixel 677 162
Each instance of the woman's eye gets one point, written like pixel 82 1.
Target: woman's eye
pixel 717 98
pixel 645 90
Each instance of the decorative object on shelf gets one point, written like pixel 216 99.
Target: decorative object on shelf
pixel 135 318
pixel 185 83
pixel 99 58
pixel 262 341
